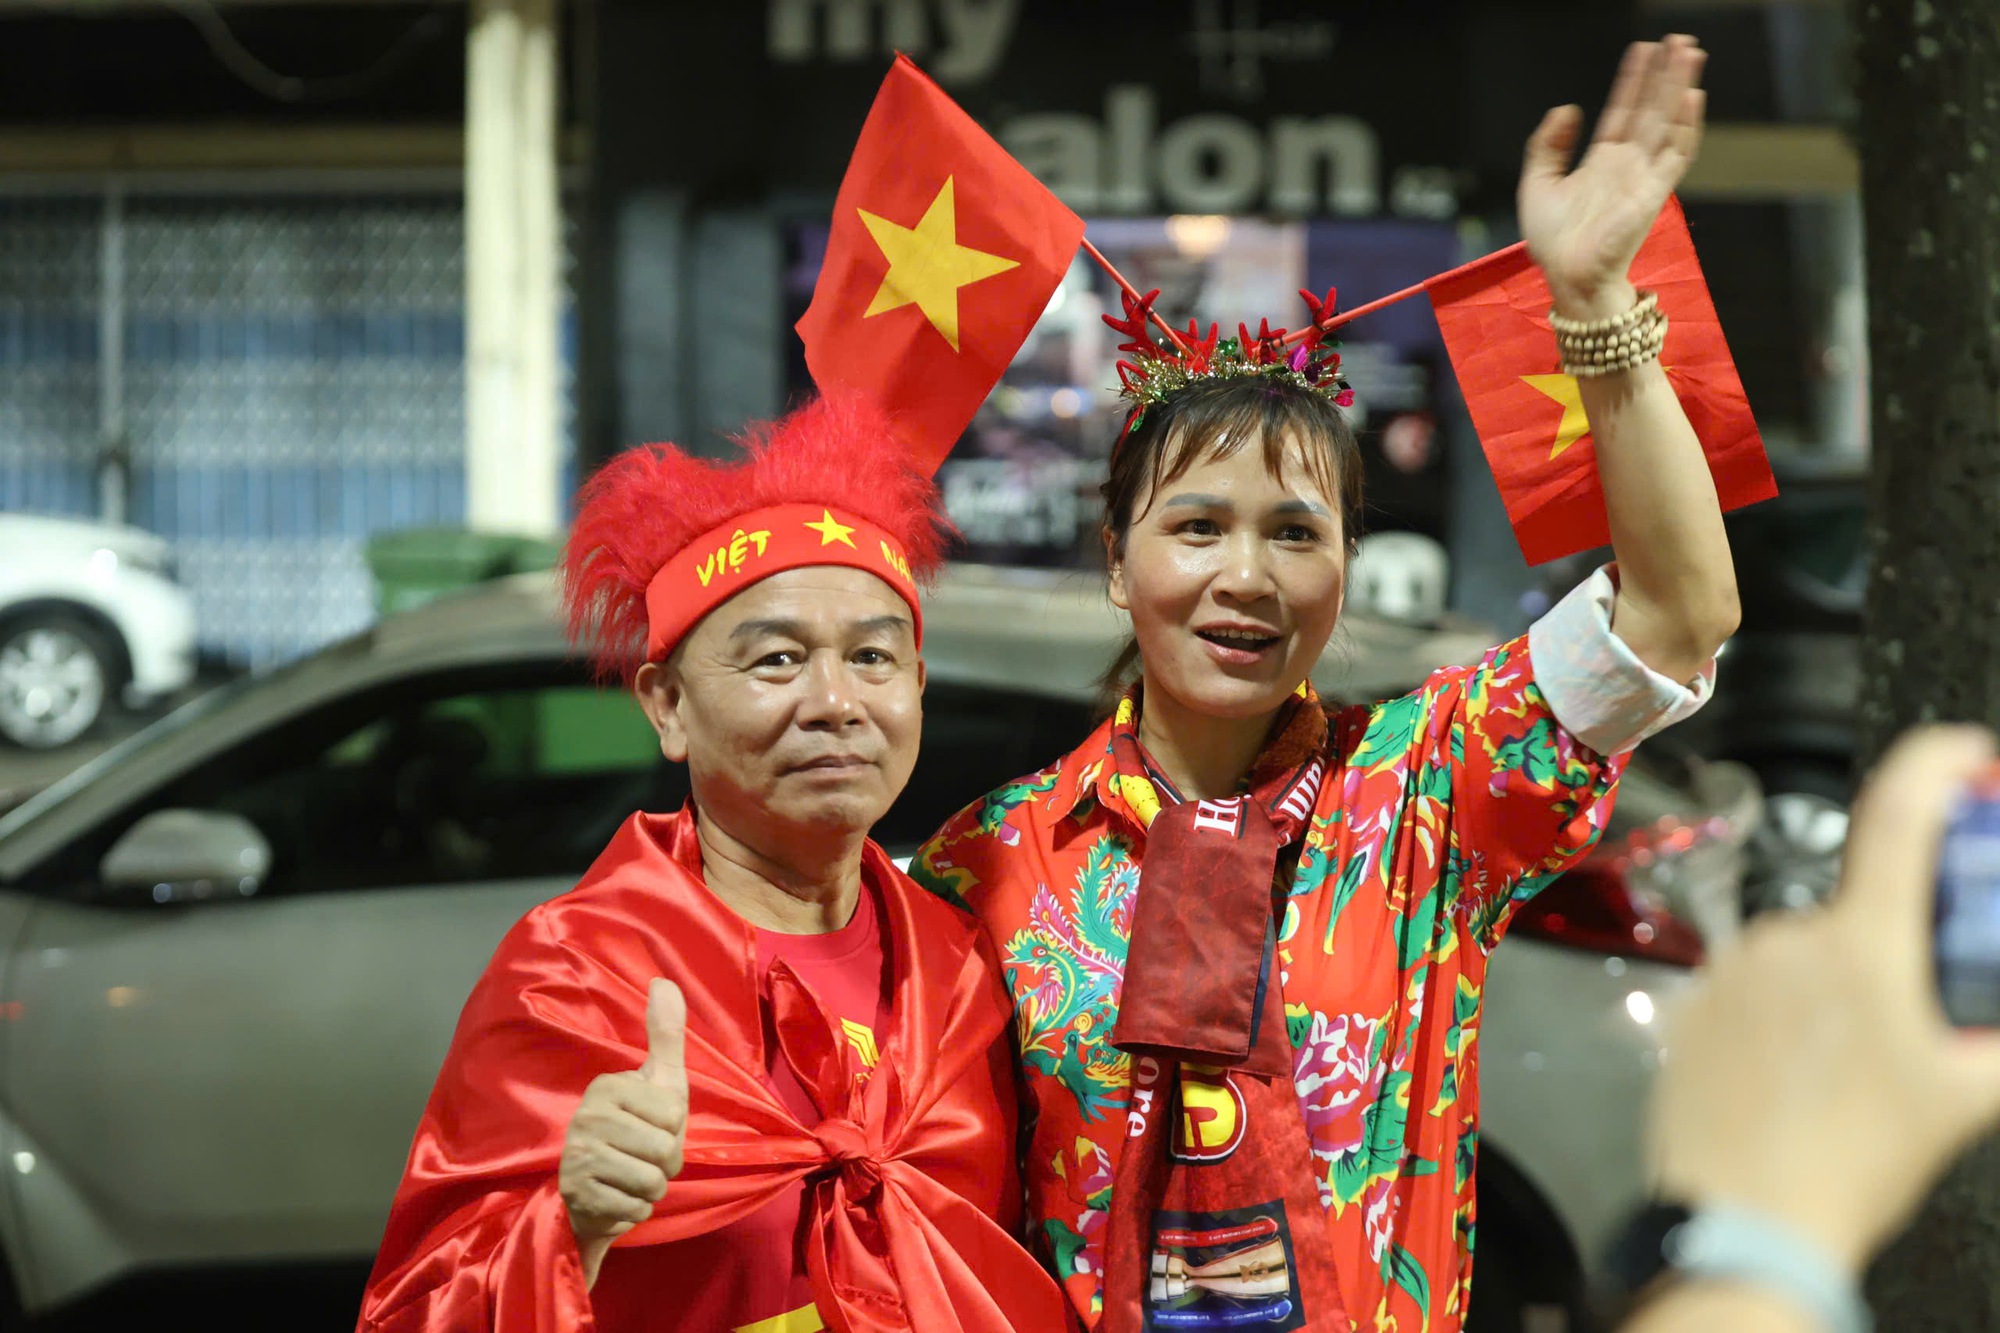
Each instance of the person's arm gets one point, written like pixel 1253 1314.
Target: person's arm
pixel 1764 1091
pixel 1493 772
pixel 1706 1307
pixel 1677 598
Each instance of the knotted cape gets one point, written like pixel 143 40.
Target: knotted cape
pixel 907 1174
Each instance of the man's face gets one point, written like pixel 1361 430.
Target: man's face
pixel 797 706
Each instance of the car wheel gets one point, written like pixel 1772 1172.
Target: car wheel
pixel 56 675
pixel 1793 860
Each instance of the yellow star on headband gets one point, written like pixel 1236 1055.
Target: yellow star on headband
pixel 831 529
pixel 927 265
pixel 1574 425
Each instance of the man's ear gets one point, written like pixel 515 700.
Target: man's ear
pixel 1114 572
pixel 657 686
pixel 923 676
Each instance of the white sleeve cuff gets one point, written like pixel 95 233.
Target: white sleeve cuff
pixel 1598 689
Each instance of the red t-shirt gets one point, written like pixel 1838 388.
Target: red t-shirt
pixel 750 1276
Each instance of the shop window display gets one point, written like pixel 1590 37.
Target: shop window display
pixel 1022 483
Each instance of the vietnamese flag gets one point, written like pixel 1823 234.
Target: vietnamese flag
pixel 944 251
pixel 1494 314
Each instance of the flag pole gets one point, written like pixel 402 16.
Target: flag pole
pixel 1328 325
pixel 1133 292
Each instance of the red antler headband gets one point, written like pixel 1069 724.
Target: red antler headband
pixel 1155 372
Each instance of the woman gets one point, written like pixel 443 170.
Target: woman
pixel 1253 1080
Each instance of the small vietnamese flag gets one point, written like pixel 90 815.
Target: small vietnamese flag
pixel 944 251
pixel 1494 314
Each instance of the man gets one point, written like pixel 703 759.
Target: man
pixel 745 1076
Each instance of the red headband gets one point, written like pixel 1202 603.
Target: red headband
pixel 726 559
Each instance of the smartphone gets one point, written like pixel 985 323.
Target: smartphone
pixel 1965 938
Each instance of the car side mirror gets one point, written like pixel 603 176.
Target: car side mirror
pixel 174 856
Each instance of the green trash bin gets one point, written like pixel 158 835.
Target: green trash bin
pixel 531 553
pixel 417 564
pixel 413 566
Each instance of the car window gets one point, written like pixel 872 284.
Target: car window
pixel 475 785
pixel 1828 544
pixel 135 750
pixel 974 740
pixel 460 776
pixel 516 771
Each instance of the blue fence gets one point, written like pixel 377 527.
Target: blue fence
pixel 292 383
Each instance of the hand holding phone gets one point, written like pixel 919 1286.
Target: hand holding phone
pixel 1813 1076
pixel 1965 931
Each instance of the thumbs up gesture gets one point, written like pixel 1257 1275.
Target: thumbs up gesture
pixel 624 1141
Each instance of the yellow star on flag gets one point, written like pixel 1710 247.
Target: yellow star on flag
pixel 1574 425
pixel 927 265
pixel 831 529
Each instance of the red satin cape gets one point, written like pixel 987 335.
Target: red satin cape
pixel 911 1178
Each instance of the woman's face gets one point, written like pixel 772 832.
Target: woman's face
pixel 1234 579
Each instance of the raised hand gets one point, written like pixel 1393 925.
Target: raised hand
pixel 624 1141
pixel 1583 226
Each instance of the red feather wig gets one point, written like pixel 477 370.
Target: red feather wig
pixel 649 504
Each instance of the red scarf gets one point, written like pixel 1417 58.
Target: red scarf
pixel 1215 1220
pixel 477 1237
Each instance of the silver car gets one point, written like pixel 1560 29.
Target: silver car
pixel 233 948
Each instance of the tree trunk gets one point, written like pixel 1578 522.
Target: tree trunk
pixel 1929 136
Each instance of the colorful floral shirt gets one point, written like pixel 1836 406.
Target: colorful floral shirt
pixel 1442 811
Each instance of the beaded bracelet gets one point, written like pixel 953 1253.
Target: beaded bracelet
pixel 1605 346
